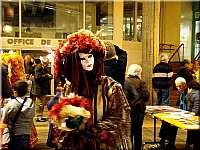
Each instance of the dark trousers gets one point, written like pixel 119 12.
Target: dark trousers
pixel 137 119
pixel 168 132
pixel 193 137
pixel 19 142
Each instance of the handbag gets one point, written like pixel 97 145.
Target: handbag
pixel 7 133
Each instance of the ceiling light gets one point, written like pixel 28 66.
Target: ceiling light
pixel 7 29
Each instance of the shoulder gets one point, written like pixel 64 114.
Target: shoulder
pixel 110 85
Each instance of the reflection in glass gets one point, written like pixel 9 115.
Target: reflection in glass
pixel 99 15
pixel 132 22
pixel 9 18
pixel 139 22
pixel 128 25
pixel 51 19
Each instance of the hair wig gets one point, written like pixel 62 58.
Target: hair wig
pixel 68 64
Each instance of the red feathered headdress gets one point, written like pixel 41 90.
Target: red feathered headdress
pixel 68 64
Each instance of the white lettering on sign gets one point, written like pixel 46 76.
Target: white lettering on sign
pixel 21 41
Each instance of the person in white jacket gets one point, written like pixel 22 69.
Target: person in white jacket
pixel 20 138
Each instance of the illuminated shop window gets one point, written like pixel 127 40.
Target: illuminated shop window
pixel 132 22
pixel 99 15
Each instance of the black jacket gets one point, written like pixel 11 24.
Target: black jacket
pixel 5 85
pixel 41 85
pixel 137 103
pixel 185 73
pixel 116 68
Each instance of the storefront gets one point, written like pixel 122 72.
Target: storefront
pixel 35 47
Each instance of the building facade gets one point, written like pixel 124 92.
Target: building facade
pixel 36 27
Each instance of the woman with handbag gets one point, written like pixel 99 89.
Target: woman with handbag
pixel 18 115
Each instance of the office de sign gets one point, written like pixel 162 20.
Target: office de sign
pixel 6 41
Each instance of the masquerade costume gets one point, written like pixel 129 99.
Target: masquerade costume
pixel 109 124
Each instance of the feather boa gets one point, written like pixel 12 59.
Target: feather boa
pixel 70 107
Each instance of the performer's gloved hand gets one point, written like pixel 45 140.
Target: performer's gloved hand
pixel 73 122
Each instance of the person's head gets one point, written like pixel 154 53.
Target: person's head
pixel 164 58
pixel 134 70
pixel 193 85
pixel 45 62
pixel 195 65
pixel 187 63
pixel 27 59
pixel 36 61
pixel 110 50
pixel 81 62
pixel 181 85
pixel 20 88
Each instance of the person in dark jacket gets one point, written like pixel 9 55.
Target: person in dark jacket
pixel 28 65
pixel 162 74
pixel 137 95
pixel 193 105
pixel 41 87
pixel 114 67
pixel 6 90
pixel 193 97
pixel 167 131
pixel 185 72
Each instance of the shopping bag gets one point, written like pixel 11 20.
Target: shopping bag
pixel 7 133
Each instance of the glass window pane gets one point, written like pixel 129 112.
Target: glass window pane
pixel 139 22
pixel 51 19
pixel 128 22
pixel 99 15
pixel 9 18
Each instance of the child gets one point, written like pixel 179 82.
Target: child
pixel 21 130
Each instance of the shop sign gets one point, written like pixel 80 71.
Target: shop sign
pixel 33 42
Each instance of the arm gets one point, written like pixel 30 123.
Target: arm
pixel 5 114
pixel 40 75
pixel 122 55
pixel 130 92
pixel 145 92
pixel 52 101
pixel 196 106
pixel 113 129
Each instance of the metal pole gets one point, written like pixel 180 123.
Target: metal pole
pixel 83 14
pixel 20 19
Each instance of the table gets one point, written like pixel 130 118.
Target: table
pixel 164 113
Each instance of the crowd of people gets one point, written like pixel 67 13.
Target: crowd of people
pixel 94 72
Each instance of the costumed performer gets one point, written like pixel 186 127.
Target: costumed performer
pixel 79 58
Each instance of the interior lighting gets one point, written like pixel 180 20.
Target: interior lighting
pixel 7 29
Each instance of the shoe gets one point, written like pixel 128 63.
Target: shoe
pixel 157 147
pixel 44 119
pixel 39 120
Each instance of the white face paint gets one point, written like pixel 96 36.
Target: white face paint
pixel 87 61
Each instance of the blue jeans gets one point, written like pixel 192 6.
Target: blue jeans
pixel 163 96
pixel 19 142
